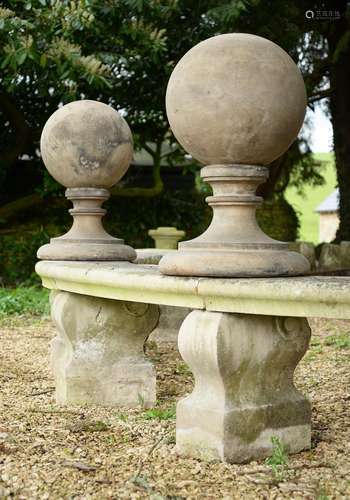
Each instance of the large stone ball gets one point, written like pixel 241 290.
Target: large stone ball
pixel 236 98
pixel 86 144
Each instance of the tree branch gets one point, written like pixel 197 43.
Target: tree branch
pixel 148 149
pixel 322 94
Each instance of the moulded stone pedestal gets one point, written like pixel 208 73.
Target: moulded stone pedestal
pixel 87 239
pixel 86 146
pixel 244 393
pixel 234 245
pixel 166 237
pixel 235 102
pixel 97 356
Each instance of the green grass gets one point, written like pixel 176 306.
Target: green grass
pixel 278 461
pixel 159 414
pixel 23 300
pixel 339 341
pixel 313 196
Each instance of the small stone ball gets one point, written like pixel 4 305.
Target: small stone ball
pixel 86 144
pixel 236 98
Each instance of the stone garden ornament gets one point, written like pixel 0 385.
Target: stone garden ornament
pixel 235 102
pixel 87 147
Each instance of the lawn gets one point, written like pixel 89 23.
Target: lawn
pixel 313 196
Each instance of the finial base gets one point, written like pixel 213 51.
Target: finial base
pixel 234 263
pixel 234 245
pixel 87 239
pixel 86 251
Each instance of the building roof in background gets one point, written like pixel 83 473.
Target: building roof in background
pixel 330 204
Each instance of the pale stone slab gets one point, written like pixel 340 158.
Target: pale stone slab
pixel 97 356
pixel 312 296
pixel 244 394
pixel 120 281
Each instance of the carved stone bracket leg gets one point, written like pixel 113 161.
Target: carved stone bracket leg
pixel 97 356
pixel 244 393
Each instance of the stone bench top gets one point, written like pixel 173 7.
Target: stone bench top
pixel 312 296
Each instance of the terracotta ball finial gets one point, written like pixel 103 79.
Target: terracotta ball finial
pixel 87 147
pixel 235 102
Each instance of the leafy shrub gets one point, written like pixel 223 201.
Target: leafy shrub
pixel 278 219
pixel 132 218
pixel 127 218
pixel 18 256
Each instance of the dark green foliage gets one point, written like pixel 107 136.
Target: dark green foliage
pixel 130 219
pixel 33 301
pixel 18 256
pixel 278 219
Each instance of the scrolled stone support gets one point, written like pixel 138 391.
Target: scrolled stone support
pixel 244 393
pixel 97 356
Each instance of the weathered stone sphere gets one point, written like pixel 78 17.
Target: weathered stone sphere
pixel 86 144
pixel 236 98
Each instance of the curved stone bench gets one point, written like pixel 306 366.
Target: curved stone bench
pixel 244 337
pixel 242 341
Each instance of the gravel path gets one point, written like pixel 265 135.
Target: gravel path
pixel 51 452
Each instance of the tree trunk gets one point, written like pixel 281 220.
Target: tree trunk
pixel 12 112
pixel 339 47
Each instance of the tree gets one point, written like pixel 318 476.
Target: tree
pixel 41 67
pixel 337 35
pixel 56 51
pixel 122 52
pixel 318 37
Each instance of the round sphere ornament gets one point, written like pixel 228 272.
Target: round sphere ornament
pixel 86 143
pixel 236 99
